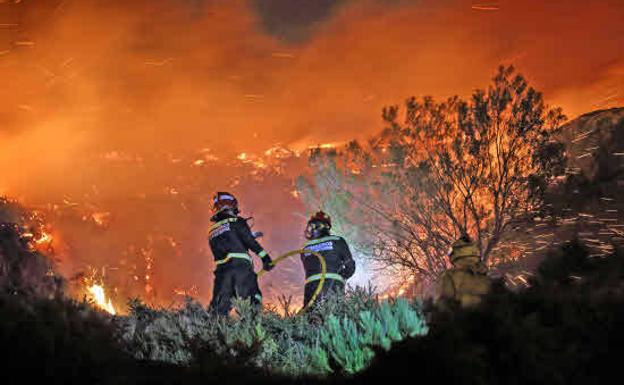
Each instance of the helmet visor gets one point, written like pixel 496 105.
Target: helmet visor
pixel 224 201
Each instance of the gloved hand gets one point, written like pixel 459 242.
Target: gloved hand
pixel 267 263
pixel 346 270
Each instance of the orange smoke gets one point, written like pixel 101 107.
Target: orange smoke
pixel 121 118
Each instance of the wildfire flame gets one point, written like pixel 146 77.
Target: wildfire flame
pixel 98 295
pixel 44 238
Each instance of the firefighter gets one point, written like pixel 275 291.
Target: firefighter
pixel 230 239
pixel 338 259
pixel 467 281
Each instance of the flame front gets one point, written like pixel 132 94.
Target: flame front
pixel 98 295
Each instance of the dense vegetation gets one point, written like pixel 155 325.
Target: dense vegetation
pixel 478 165
pixel 563 329
pixel 338 336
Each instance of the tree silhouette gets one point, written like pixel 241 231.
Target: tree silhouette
pixel 442 169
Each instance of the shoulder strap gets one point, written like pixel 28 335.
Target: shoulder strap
pixel 321 240
pixel 220 223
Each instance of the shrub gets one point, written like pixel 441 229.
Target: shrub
pixel 337 336
pixel 24 270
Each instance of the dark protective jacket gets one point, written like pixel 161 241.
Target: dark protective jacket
pixel 231 237
pixel 338 258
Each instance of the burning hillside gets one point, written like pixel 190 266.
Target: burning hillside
pixel 153 244
pixel 164 256
pixel 587 201
pixel 118 121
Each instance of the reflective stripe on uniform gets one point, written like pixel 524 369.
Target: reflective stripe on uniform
pixel 317 277
pixel 320 240
pixel 262 254
pixel 234 255
pixel 218 224
pixel 226 197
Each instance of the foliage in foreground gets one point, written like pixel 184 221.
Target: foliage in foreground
pixel 564 329
pixel 58 339
pixel 61 341
pixel 339 336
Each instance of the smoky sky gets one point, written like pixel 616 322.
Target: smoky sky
pixel 294 20
pixel 81 78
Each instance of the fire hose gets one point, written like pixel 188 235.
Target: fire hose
pixel 321 260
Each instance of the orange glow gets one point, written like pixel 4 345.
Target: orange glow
pixel 44 238
pixel 120 119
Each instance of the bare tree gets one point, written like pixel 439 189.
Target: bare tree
pixel 456 167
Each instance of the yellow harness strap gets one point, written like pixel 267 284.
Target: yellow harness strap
pixel 234 255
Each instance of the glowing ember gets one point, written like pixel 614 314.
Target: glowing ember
pixel 44 238
pixel 101 218
pixel 98 295
pixel 485 7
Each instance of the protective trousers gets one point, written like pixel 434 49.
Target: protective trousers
pixel 235 278
pixel 331 286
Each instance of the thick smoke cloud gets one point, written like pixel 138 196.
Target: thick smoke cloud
pixel 147 74
pixel 294 20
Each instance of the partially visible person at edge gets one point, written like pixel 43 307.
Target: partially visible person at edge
pixel 230 239
pixel 338 259
pixel 467 281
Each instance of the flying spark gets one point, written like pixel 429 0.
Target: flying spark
pixel 485 7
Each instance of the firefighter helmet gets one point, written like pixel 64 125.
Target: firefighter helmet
pixel 464 247
pixel 318 225
pixel 225 201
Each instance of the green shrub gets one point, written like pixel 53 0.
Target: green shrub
pixel 337 336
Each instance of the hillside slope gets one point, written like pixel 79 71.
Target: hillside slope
pixel 588 202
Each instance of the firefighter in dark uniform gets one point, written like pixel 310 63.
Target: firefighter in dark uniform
pixel 340 263
pixel 230 240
